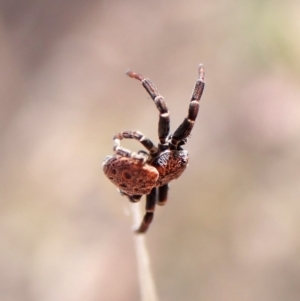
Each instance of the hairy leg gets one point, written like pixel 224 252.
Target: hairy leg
pixel 185 128
pixel 162 195
pixel 164 115
pixel 150 207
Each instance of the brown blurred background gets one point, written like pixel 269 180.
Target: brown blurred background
pixel 230 230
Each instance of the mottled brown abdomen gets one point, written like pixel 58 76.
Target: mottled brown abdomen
pixel 170 165
pixel 129 175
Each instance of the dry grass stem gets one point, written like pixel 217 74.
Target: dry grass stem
pixel 147 285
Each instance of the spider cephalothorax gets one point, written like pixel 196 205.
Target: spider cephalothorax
pixel 149 173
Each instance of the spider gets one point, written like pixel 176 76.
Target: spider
pixel 149 173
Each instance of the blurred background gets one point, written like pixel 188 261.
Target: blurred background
pixel 230 230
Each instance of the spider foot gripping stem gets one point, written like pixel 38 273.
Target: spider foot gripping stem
pixel 150 207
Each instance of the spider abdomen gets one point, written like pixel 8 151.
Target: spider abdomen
pixel 170 165
pixel 129 175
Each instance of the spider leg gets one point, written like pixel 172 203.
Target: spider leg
pixel 162 195
pixel 147 143
pixel 164 115
pixel 134 198
pixel 150 207
pixel 123 152
pixel 185 128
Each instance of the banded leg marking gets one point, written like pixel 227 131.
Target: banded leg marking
pixel 164 115
pixel 162 195
pixel 185 128
pixel 147 143
pixel 150 207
